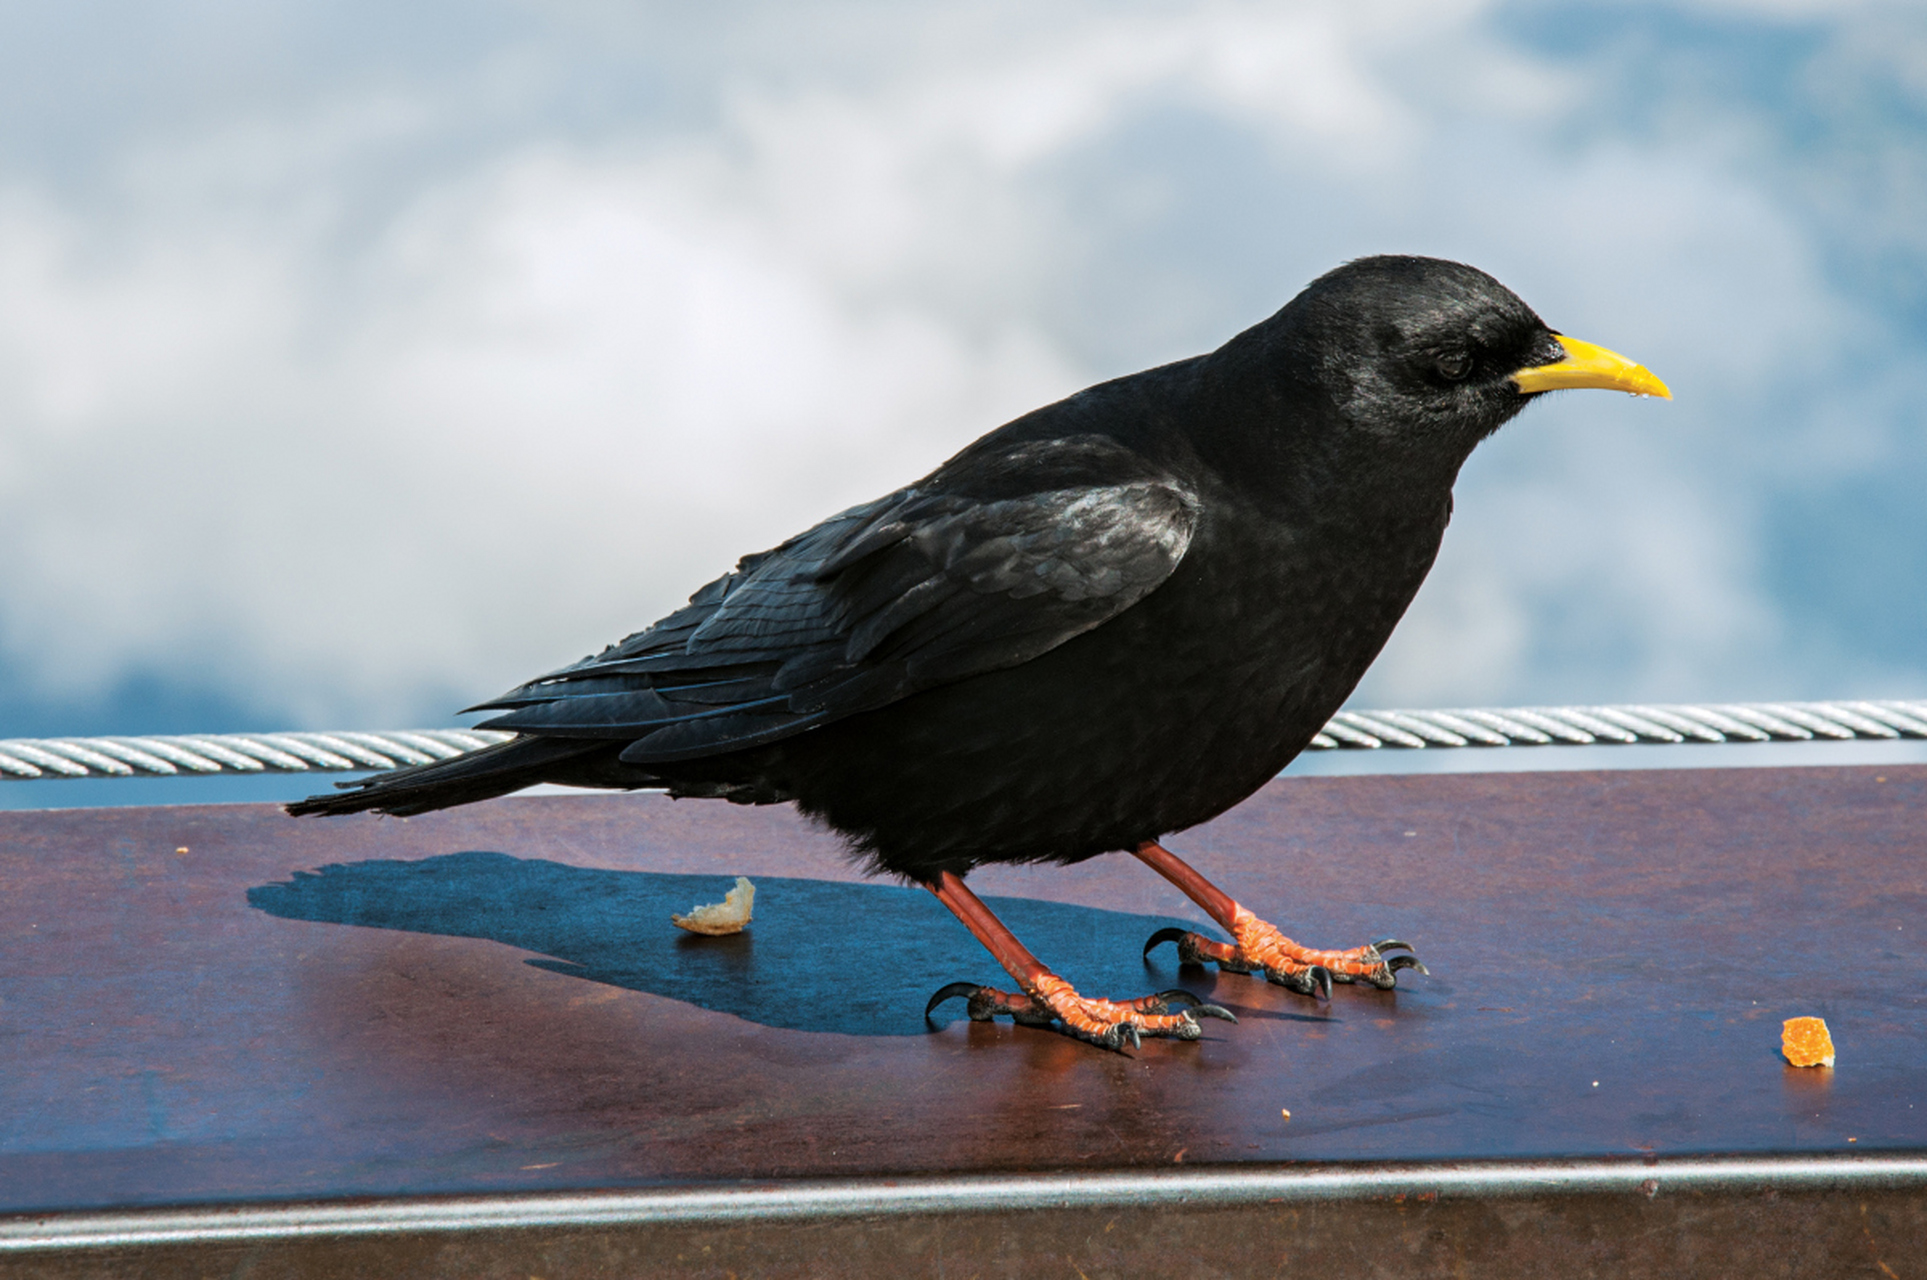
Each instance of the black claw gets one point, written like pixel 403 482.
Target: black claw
pixel 1137 1041
pixel 1321 980
pixel 1214 1011
pixel 1164 935
pixel 1390 944
pixel 1177 996
pixel 1407 962
pixel 953 991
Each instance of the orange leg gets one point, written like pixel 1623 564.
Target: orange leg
pixel 1260 946
pixel 1045 998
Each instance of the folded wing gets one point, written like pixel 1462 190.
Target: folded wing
pixel 917 589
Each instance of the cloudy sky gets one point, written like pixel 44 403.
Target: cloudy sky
pixel 358 361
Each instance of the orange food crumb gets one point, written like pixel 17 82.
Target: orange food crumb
pixel 1805 1042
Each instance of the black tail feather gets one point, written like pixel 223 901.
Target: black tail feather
pixel 481 774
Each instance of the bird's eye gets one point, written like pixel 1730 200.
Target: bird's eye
pixel 1454 365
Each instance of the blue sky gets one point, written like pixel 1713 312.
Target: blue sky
pixel 356 363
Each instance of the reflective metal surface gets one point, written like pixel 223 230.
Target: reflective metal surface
pixel 873 1198
pixel 217 1005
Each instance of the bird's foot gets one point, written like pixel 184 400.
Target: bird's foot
pixel 1261 948
pixel 1049 1000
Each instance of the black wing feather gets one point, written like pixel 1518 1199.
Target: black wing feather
pixel 920 588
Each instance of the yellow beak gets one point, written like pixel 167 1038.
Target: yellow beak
pixel 1588 366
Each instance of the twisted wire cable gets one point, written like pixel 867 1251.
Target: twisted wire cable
pixel 209 753
pixel 176 755
pixel 1628 725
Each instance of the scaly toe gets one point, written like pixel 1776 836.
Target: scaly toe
pixel 1106 1023
pixel 1314 980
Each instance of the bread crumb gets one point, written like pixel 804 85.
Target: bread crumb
pixel 1805 1042
pixel 716 918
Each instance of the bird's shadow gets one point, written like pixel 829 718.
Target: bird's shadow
pixel 820 955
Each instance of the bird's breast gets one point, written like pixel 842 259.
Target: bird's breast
pixel 1159 719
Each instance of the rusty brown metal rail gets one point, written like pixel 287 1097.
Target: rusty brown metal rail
pixel 471 1043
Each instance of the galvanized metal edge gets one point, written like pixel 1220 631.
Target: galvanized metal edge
pixel 984 1194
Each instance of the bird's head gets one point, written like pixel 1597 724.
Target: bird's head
pixel 1424 356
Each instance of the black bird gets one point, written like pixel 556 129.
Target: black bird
pixel 1111 619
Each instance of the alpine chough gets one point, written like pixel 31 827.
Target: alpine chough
pixel 1109 620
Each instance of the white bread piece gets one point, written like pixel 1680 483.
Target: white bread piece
pixel 727 916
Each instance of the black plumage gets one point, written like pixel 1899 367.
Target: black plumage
pixel 1108 620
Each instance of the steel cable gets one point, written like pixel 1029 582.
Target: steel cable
pixel 182 755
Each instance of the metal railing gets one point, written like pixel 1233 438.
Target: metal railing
pixel 208 753
pixel 176 755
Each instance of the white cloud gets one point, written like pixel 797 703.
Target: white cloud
pixel 569 389
pixel 320 405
